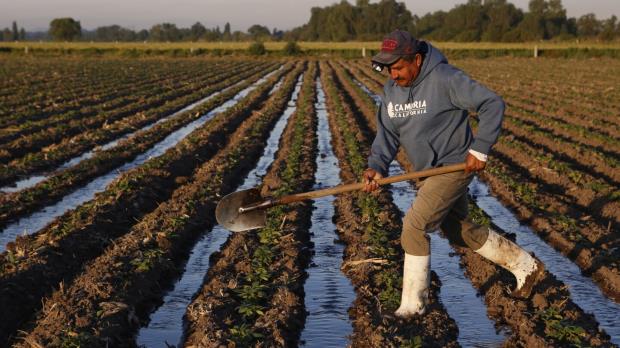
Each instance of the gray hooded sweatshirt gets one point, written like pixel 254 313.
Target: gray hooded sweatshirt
pixel 430 118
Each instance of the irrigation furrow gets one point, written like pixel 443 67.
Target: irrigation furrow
pixel 165 325
pixel 46 138
pixel 566 234
pixel 581 194
pixel 370 227
pixel 542 88
pixel 55 187
pixel 73 146
pixel 49 121
pixel 578 123
pixel 566 131
pixel 80 91
pixel 39 219
pixel 583 159
pixel 457 293
pixel 79 131
pixel 549 318
pixel 35 264
pixel 253 291
pixel 497 300
pixel 584 292
pixel 143 261
pixel 329 293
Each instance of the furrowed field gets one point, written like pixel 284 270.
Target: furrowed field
pixel 111 169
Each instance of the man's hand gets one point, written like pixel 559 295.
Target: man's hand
pixel 472 164
pixel 369 176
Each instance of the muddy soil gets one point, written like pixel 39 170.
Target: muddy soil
pixel 548 318
pixel 140 92
pixel 38 141
pixel 49 191
pixel 63 150
pixel 213 318
pixel 36 264
pixel 595 259
pixel 132 275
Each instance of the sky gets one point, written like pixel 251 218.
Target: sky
pixel 281 14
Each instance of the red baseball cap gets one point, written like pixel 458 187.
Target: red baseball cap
pixel 395 45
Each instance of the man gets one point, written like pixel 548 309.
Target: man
pixel 425 109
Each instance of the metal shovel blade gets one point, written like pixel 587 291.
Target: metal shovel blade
pixel 227 211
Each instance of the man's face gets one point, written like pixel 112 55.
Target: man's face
pixel 404 72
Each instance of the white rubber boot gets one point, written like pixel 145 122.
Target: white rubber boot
pixel 527 269
pixel 416 281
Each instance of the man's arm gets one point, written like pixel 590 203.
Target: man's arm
pixel 382 151
pixel 468 94
pixel 385 145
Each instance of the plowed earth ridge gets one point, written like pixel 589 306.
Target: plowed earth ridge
pixel 36 264
pixel 126 281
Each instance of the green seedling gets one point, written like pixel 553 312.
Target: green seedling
pixel 558 328
pixel 148 260
pixel 243 335
pixel 415 342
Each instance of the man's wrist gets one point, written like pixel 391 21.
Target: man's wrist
pixel 479 155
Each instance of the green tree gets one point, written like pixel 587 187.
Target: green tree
pixel 226 35
pixel 165 32
pixel 259 32
pixel 15 31
pixel 363 21
pixel 7 34
pixel 588 25
pixel 501 17
pixel 65 29
pixel 114 33
pixel 22 34
pixel 609 29
pixel 198 31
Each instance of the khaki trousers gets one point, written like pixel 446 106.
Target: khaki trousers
pixel 441 202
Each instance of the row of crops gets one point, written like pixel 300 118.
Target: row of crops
pixel 112 169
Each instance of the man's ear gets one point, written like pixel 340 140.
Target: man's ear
pixel 418 59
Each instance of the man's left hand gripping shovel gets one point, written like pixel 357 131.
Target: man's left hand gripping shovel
pixel 245 210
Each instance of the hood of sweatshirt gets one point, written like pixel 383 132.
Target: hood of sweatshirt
pixel 432 59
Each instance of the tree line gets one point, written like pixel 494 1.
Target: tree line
pixel 13 34
pixel 475 20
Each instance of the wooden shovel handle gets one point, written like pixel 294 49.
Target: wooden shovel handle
pixel 358 186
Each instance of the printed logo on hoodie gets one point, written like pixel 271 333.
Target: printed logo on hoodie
pixel 407 109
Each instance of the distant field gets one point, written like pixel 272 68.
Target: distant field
pixel 274 46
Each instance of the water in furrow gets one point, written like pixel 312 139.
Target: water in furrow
pixel 457 294
pixel 329 292
pixel 166 323
pixel 37 178
pixel 40 218
pixel 583 291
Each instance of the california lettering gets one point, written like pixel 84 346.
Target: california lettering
pixel 408 109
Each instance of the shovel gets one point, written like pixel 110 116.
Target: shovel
pixel 245 210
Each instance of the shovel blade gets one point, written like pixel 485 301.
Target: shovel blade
pixel 227 211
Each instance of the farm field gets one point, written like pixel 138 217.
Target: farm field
pixel 111 169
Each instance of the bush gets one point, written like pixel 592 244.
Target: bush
pixel 257 49
pixel 291 49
